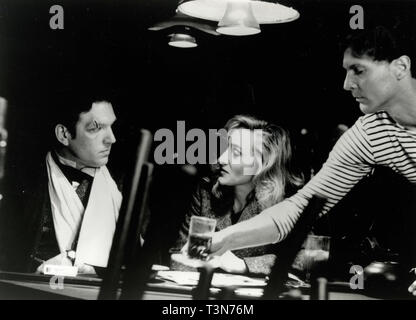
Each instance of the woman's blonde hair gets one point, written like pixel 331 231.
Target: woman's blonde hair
pixel 276 176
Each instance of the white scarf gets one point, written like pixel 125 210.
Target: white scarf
pixel 100 216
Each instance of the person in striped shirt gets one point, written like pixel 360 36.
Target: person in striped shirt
pixel 378 75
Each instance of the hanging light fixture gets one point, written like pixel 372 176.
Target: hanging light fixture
pixel 181 28
pixel 182 20
pixel 226 11
pixel 238 19
pixel 182 40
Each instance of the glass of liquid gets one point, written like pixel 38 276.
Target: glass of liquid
pixel 200 237
pixel 315 254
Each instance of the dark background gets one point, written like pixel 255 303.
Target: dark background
pixel 290 74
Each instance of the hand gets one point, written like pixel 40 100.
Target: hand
pixel 229 262
pixel 86 269
pixel 63 260
pixel 412 288
pixel 59 260
pixel 218 244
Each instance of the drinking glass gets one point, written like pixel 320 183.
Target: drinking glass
pixel 315 254
pixel 200 237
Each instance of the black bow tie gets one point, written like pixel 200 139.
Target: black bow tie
pixel 83 180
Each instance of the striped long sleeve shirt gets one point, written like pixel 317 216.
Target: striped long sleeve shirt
pixel 375 139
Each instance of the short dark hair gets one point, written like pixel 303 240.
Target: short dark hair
pixel 68 108
pixel 70 116
pixel 379 43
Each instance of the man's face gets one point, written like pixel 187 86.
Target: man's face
pixel 92 143
pixel 372 83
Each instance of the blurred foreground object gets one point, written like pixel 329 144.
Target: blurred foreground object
pixel 3 141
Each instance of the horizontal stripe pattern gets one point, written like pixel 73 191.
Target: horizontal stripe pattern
pixel 373 139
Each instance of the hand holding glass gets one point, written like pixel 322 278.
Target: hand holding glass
pixel 200 237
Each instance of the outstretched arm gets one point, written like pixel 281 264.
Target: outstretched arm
pixel 349 161
pixel 257 231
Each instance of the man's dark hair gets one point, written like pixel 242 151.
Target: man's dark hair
pixel 68 109
pixel 70 116
pixel 378 43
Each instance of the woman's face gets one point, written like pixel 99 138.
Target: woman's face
pixel 242 159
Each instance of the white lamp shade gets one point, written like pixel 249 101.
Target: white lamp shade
pixel 182 40
pixel 214 10
pixel 238 19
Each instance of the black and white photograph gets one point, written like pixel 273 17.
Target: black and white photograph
pixel 207 154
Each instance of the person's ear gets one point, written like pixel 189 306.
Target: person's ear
pixel 401 67
pixel 62 134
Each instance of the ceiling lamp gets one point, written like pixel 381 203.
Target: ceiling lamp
pixel 238 19
pixel 223 11
pixel 182 40
pixel 182 20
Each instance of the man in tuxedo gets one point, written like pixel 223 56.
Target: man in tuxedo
pixel 70 210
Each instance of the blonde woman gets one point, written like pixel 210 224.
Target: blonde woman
pixel 253 174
